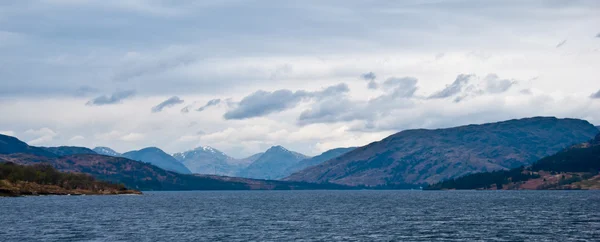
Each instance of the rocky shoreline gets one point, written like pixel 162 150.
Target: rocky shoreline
pixel 17 189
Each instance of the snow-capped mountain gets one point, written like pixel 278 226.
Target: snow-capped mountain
pixel 106 151
pixel 208 160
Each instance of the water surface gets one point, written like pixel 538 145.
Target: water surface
pixel 306 216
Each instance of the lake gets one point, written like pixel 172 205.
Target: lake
pixel 306 216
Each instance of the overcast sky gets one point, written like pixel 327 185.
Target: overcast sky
pixel 242 76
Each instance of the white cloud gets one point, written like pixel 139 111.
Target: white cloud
pixel 7 132
pixel 76 138
pixel 132 137
pixel 44 136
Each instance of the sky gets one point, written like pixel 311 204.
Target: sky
pixel 241 76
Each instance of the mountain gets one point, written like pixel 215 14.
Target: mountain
pixel 106 151
pixel 207 160
pixel 272 164
pixel 144 176
pixel 248 160
pixel 68 150
pixel 327 155
pixel 158 158
pixel 9 145
pixel 573 168
pixel 598 127
pixel 429 156
pixel 135 174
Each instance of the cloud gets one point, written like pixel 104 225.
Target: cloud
pixel 526 91
pixel 138 65
pixel 76 138
pixel 595 95
pixel 456 87
pixel 7 132
pixel 399 92
pixel 172 101
pixel 496 85
pixel 561 43
pixel 401 87
pixel 210 103
pixel 44 135
pixel 132 137
pixel 114 98
pixel 370 76
pixel 598 35
pixel 261 103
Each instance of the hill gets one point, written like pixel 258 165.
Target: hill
pixel 429 156
pixel 272 164
pixel 574 168
pixel 68 150
pixel 9 145
pixel 158 158
pixel 42 179
pixel 327 155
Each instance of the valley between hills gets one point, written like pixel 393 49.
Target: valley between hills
pixel 530 153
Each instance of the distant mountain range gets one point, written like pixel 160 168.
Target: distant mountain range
pixel 576 167
pixel 207 160
pixel 158 158
pixel 429 156
pixel 273 164
pixel 136 174
pixel 405 159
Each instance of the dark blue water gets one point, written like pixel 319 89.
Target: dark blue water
pixel 306 216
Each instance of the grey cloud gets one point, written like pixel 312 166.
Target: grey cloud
pixel 496 85
pixel 401 87
pixel 401 90
pixel 333 110
pixel 372 85
pixel 142 66
pixel 167 103
pixel 210 103
pixel 368 76
pixel 595 95
pixel 261 103
pixel 114 98
pixel 561 43
pixel 526 92
pixel 456 87
pixel 598 35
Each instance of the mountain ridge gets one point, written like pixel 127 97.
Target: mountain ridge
pixel 272 164
pixel 576 167
pixel 428 156
pixel 158 157
pixel 102 150
pixel 208 160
